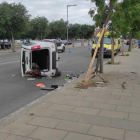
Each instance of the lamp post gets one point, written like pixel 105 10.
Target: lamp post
pixel 68 23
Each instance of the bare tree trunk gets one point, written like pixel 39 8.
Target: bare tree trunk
pixel 123 47
pixel 130 40
pixel 99 56
pixel 107 19
pixel 13 46
pixel 112 51
pixel 3 44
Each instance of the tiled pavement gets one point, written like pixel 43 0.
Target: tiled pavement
pixel 96 113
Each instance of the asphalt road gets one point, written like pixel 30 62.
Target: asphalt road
pixel 16 92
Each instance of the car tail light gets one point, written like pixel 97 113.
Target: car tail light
pixel 52 73
pixel 36 73
pixel 36 47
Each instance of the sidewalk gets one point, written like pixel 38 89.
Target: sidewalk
pixel 96 113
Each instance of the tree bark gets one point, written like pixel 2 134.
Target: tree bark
pixel 99 56
pixel 112 51
pixel 130 41
pixel 123 47
pixel 3 44
pixel 107 19
pixel 13 46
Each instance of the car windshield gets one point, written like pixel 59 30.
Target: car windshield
pixel 106 40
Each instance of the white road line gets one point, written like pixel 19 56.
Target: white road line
pixel 9 62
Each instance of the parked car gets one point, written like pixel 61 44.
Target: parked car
pixel 68 42
pixel 7 45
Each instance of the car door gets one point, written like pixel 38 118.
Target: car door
pixel 25 61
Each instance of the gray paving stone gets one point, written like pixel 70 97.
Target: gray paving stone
pixel 44 105
pixel 42 112
pixel 125 124
pixel 25 119
pixel 107 132
pixel 113 114
pixel 79 103
pixel 103 106
pixel 135 104
pixel 14 137
pixel 134 117
pixel 5 123
pixel 122 93
pixel 115 97
pixel 132 135
pixel 48 134
pixel 56 101
pixel 62 107
pixel 67 116
pixel 128 109
pixel 84 110
pixel 96 120
pixel 132 99
pixel 76 136
pixel 74 127
pixel 131 91
pixel 45 122
pixel 18 129
pixel 118 102
pixel 3 136
pixel 95 100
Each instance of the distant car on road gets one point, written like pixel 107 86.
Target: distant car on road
pixel 7 45
pixel 68 42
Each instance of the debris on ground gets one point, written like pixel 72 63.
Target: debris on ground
pixel 134 72
pixel 99 82
pixel 47 88
pixel 31 114
pixel 31 79
pixel 40 85
pixel 124 85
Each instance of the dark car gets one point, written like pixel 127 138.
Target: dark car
pixel 68 42
pixel 127 43
pixel 7 45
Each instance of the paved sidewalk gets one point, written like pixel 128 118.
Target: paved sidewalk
pixel 96 113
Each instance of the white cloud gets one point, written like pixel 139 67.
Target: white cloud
pixel 57 9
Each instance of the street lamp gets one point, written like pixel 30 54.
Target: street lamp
pixel 68 22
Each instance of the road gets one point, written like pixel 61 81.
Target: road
pixel 16 92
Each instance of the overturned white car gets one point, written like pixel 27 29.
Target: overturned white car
pixel 39 58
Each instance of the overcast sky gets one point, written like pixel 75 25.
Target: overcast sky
pixel 57 9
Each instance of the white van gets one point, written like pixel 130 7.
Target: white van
pixel 39 58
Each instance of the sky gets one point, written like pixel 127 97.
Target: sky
pixel 57 9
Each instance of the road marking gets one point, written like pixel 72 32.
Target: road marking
pixel 9 62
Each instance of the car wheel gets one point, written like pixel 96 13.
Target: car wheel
pixel 63 50
pixel 8 47
pixel 2 47
pixel 58 73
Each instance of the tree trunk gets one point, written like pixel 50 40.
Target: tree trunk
pixel 123 47
pixel 3 44
pixel 99 56
pixel 130 40
pixel 107 19
pixel 13 46
pixel 112 51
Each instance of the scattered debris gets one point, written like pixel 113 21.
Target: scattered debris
pixel 31 114
pixel 54 86
pixel 47 88
pixel 40 85
pixel 31 79
pixel 134 72
pixel 99 82
pixel 123 85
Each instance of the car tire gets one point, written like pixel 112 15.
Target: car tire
pixel 2 47
pixel 58 73
pixel 63 50
pixel 8 47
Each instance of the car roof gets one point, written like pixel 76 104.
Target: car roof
pixel 42 44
